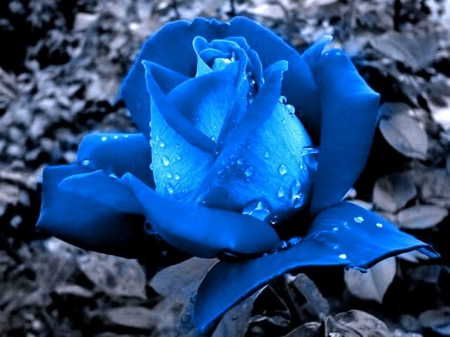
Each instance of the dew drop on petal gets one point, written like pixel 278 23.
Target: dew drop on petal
pixel 290 109
pixel 343 256
pixel 258 209
pixel 280 192
pixel 335 229
pixel 169 175
pixel 176 176
pixel 240 160
pixel 297 197
pixel 282 100
pixel 359 219
pixel 169 188
pixel 266 155
pixel 113 176
pixel 85 162
pixel 161 143
pixel 165 161
pixel 152 166
pixel 379 225
pixel 104 138
pixel 282 169
pixel 249 171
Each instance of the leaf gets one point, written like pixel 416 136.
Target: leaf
pixel 114 275
pixel 236 321
pixel 421 216
pixel 132 317
pixel 373 284
pixel 356 323
pixel 392 192
pixel 415 50
pixel 403 132
pixel 437 320
pixel 180 282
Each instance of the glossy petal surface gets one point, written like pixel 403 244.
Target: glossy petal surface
pixel 345 235
pixel 202 231
pixel 117 153
pixel 82 221
pixel 349 112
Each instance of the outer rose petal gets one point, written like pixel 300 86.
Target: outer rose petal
pixel 345 235
pixel 117 153
pixel 202 231
pixel 349 112
pixel 86 223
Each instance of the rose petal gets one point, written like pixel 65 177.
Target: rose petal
pixel 356 243
pixel 298 84
pixel 178 166
pixel 118 153
pixel 202 231
pixel 349 112
pixel 86 223
pixel 259 112
pixel 174 117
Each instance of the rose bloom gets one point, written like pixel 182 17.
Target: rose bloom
pixel 245 152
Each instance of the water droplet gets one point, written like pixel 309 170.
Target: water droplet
pixel 359 219
pixel 150 124
pixel 104 138
pixel 290 109
pixel 169 189
pixel 126 136
pixel 379 225
pixel 165 161
pixel 176 176
pixel 295 241
pixel 309 155
pixel 343 256
pixel 282 169
pixel 282 100
pixel 240 161
pixel 161 143
pixel 113 176
pixel 169 175
pixel 185 318
pixel 249 171
pixel 335 229
pixel 297 197
pixel 85 162
pixel 283 245
pixel 234 317
pixel 152 166
pixel 280 192
pixel 266 155
pixel 258 209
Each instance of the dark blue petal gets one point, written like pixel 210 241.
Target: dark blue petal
pixel 205 101
pixel 355 243
pixel 118 153
pixel 349 111
pixel 298 83
pixel 86 223
pixel 311 54
pixel 202 231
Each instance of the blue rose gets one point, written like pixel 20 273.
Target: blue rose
pixel 249 140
